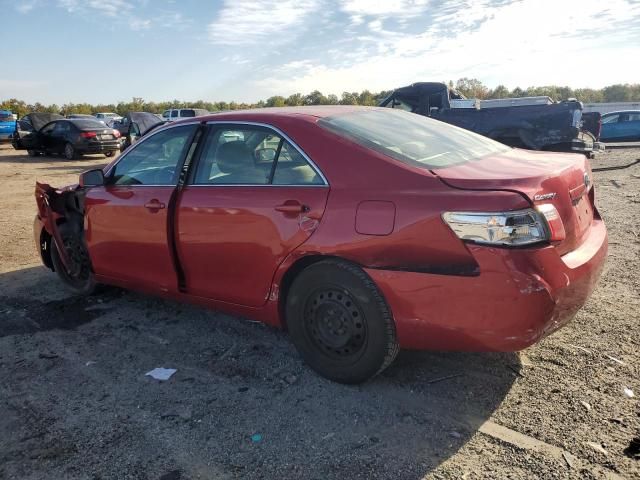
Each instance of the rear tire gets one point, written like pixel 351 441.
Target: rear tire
pixel 81 280
pixel 340 323
pixel 69 152
pixel 110 154
pixel 33 153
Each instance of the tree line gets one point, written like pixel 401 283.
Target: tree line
pixel 469 87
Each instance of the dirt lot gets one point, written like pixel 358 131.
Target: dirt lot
pixel 76 404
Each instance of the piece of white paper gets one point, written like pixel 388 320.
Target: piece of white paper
pixel 161 373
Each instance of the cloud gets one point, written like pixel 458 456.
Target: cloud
pixel 251 22
pixel 129 13
pixel 531 42
pixel 111 8
pixel 25 6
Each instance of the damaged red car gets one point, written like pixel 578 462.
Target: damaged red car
pixel 359 230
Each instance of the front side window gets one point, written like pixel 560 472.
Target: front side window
pixel 166 114
pixel 411 138
pixel 47 129
pixel 175 113
pixel 155 160
pixel 610 119
pixel 252 156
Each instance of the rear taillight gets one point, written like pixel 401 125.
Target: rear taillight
pixel 88 134
pixel 516 228
pixel 554 222
pixel 116 133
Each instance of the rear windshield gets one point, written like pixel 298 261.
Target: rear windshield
pixel 187 113
pixel 88 123
pixel 412 138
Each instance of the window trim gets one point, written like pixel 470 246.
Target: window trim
pixel 282 135
pixel 195 161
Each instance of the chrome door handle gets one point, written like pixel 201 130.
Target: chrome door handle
pixel 292 208
pixel 154 205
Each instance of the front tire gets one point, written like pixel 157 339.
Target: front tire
pixel 80 279
pixel 33 153
pixel 340 323
pixel 69 152
pixel 110 153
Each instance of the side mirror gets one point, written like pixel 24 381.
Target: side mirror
pixel 92 178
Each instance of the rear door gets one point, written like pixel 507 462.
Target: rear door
pixel 126 221
pixel 629 126
pixel 58 137
pixel 252 198
pixel 45 136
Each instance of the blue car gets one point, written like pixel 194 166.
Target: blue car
pixel 7 125
pixel 620 126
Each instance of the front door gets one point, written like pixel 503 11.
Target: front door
pixel 126 221
pixel 251 200
pixel 25 136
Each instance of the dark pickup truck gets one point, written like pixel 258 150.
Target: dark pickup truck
pixel 536 123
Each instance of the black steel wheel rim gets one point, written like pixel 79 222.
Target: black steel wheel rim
pixel 79 271
pixel 335 324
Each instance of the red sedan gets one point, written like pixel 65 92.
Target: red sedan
pixel 360 230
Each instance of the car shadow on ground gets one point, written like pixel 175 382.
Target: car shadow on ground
pixel 241 404
pixel 20 156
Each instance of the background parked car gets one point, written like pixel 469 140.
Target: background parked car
pixel 7 125
pixel 71 138
pixel 180 113
pixel 620 126
pixel 80 115
pixel 108 117
pixel 135 125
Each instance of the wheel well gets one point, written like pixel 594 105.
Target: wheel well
pixel 290 275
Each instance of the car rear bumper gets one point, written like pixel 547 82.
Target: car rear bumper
pixel 520 296
pixel 99 147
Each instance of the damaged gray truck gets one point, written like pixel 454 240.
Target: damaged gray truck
pixel 535 123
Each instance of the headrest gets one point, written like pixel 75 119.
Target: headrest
pixel 234 157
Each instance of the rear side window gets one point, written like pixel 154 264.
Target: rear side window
pixel 187 113
pixel 248 155
pixel 411 138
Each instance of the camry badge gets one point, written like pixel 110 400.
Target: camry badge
pixel 544 196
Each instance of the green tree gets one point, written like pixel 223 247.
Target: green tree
pixel 294 100
pixel 276 101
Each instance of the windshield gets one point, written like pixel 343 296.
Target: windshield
pixel 411 138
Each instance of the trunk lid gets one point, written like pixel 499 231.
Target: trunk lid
pixel 562 179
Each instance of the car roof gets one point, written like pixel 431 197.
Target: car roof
pixel 619 112
pixel 310 113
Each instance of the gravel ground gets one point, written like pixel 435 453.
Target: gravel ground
pixel 76 402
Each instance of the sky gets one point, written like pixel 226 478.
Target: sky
pixel 105 51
